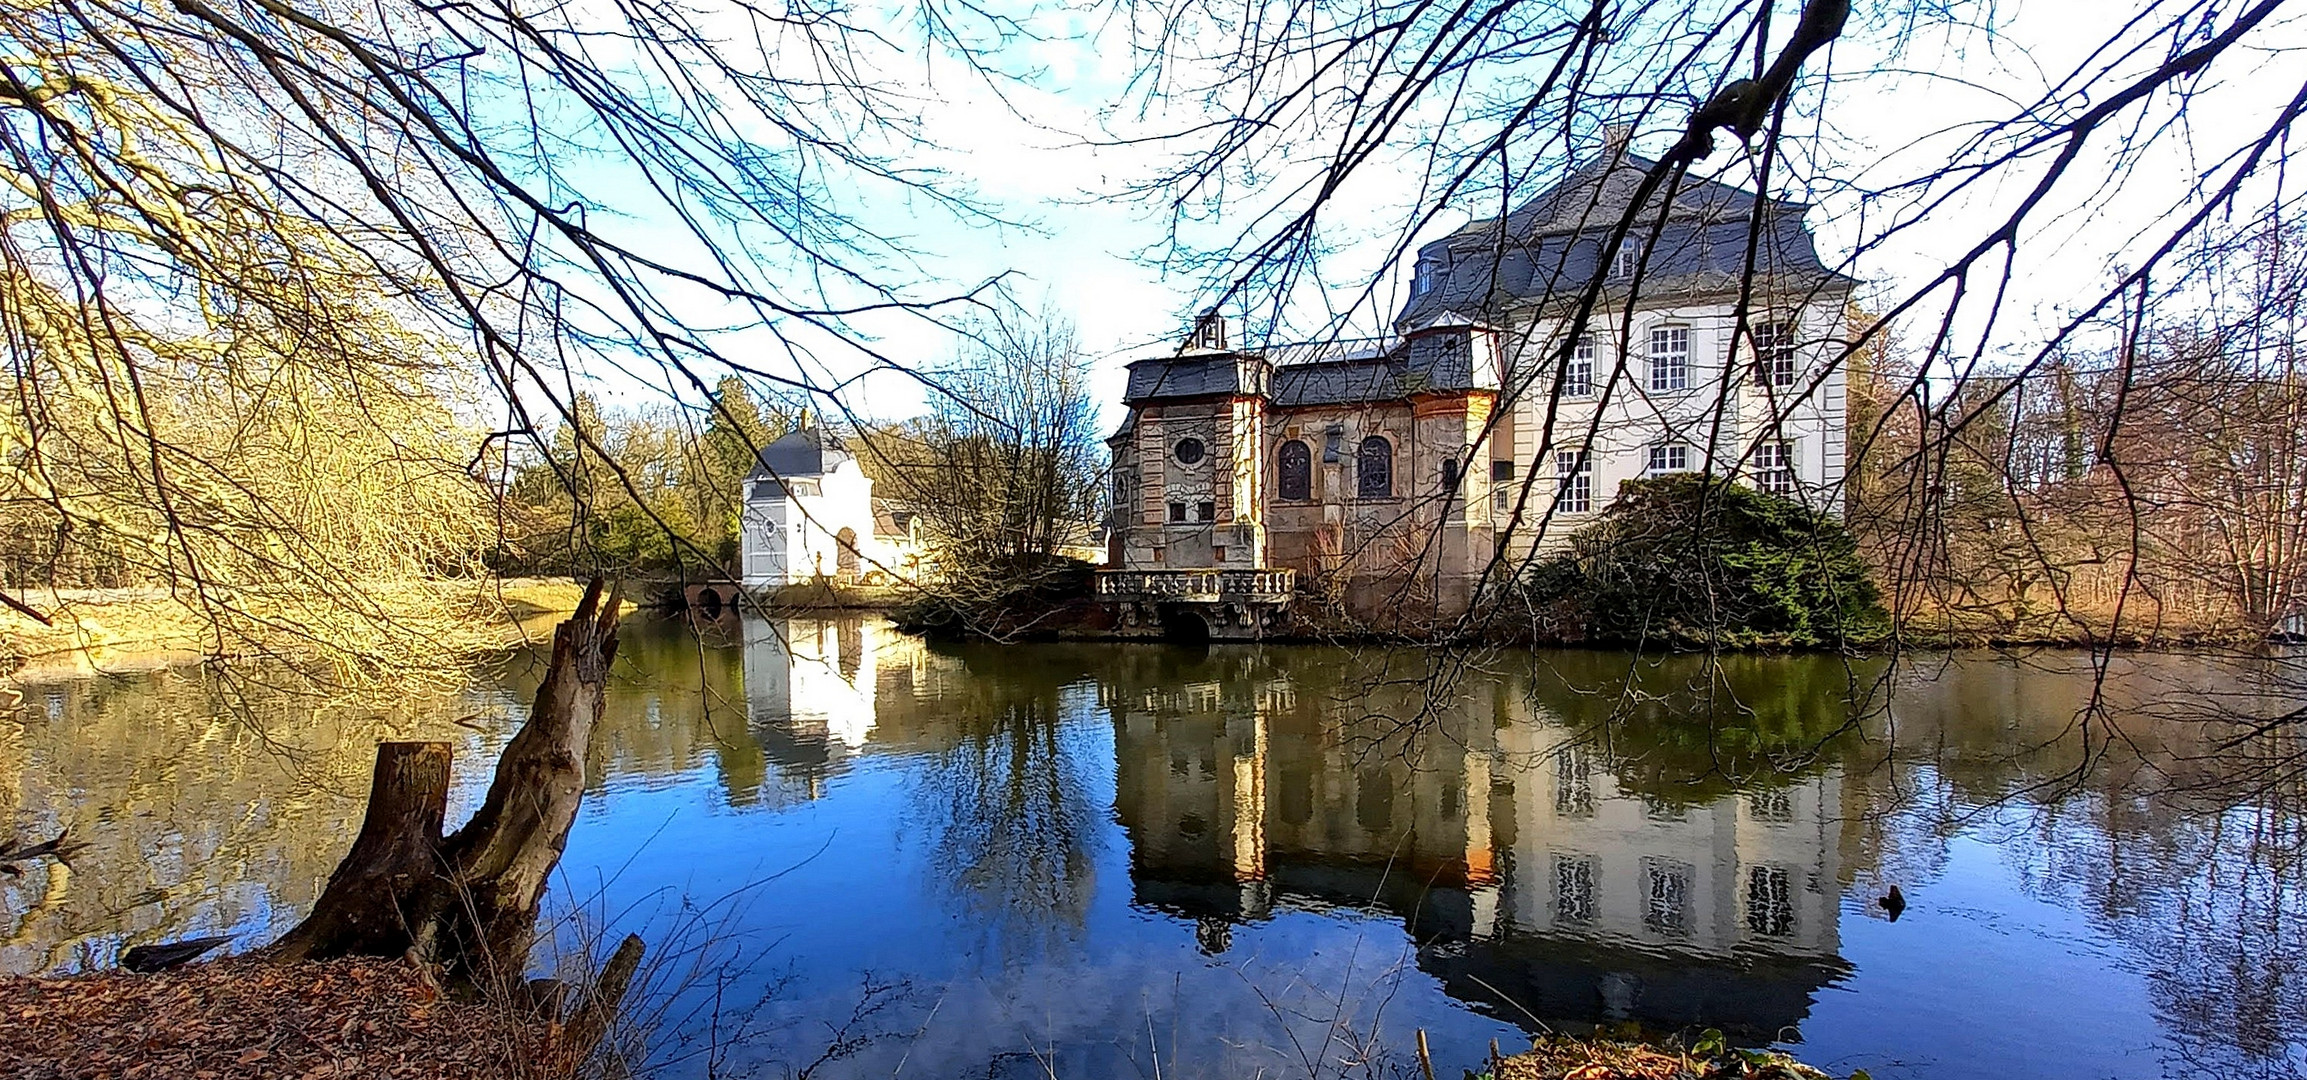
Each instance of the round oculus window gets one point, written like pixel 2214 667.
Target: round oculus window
pixel 1189 451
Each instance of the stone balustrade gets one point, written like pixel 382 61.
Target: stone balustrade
pixel 1198 585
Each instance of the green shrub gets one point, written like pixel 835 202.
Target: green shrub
pixel 1690 561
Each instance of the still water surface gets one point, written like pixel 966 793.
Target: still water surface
pixel 1099 861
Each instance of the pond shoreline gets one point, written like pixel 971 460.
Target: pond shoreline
pixel 1078 621
pixel 1566 842
pixel 147 629
pixel 247 1018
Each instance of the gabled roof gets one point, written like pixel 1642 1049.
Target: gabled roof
pixel 1312 373
pixel 806 451
pixel 1425 363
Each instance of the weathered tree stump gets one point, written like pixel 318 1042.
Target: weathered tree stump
pixel 468 901
pixel 388 884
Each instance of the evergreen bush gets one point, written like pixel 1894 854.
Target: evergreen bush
pixel 1691 561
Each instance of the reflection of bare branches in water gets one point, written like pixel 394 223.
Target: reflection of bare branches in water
pixel 1015 834
pixel 1334 1033
pixel 2215 906
pixel 2173 840
pixel 866 1024
pixel 208 805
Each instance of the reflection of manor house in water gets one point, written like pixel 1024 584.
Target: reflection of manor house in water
pixel 1724 913
pixel 1524 868
pixel 809 691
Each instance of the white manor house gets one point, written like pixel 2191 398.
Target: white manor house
pixel 1394 471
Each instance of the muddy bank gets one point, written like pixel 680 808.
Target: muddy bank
pixel 241 1018
pixel 1708 1057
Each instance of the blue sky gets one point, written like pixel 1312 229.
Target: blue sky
pixel 1904 103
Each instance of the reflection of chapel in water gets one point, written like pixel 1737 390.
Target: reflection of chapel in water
pixel 1528 877
pixel 809 692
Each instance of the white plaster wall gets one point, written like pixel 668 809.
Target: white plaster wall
pixel 1720 844
pixel 1812 414
pixel 814 671
pixel 792 537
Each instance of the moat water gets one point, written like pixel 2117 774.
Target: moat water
pixel 852 849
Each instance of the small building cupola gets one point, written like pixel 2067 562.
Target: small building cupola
pixel 1209 332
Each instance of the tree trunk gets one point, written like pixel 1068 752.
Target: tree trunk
pixel 389 881
pixel 469 901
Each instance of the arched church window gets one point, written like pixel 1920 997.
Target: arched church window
pixel 1374 466
pixel 1297 472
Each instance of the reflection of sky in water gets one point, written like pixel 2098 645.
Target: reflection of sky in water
pixel 1089 859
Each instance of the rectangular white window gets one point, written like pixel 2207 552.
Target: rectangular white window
pixel 1774 354
pixel 1573 783
pixel 1502 489
pixel 1573 482
pixel 1669 458
pixel 1670 358
pixel 1666 896
pixel 1574 888
pixel 1578 379
pixel 1771 807
pixel 1769 901
pixel 1623 265
pixel 1774 468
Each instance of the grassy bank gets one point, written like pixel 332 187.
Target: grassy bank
pixel 1561 1057
pixel 136 628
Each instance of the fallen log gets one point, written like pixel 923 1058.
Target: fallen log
pixel 146 959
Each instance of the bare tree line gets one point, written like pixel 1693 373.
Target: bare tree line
pixel 1009 459
pixel 190 178
pixel 2164 471
pixel 428 154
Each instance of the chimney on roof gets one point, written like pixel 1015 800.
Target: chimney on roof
pixel 1209 331
pixel 1614 139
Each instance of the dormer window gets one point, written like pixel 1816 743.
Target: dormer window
pixel 1426 276
pixel 1622 265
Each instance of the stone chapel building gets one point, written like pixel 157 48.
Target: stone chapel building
pixel 1385 476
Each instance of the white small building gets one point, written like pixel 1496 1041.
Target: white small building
pixel 808 514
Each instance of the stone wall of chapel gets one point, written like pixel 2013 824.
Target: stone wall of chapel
pixel 1224 481
pixel 1411 552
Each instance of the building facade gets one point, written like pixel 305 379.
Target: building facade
pixel 1539 364
pixel 808 514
